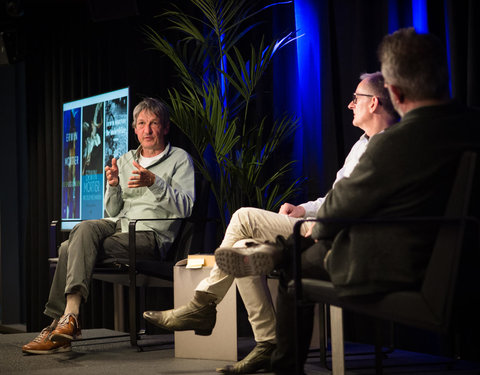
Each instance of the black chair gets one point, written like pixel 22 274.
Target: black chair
pixel 135 273
pixel 428 308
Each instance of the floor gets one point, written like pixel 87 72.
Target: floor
pixel 115 356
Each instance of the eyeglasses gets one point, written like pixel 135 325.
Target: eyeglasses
pixel 153 125
pixel 354 97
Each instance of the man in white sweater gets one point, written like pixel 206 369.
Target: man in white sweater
pixel 373 113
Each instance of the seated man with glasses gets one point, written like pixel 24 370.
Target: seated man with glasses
pixel 373 113
pixel 407 171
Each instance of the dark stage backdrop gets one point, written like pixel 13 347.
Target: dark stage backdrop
pixel 72 52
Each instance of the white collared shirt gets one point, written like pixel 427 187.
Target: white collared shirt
pixel 351 161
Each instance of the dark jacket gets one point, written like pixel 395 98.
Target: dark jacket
pixel 406 171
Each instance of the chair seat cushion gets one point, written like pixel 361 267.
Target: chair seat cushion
pixel 155 268
pixel 407 307
pixel 161 269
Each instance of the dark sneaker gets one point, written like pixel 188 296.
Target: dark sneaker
pixel 67 329
pixel 42 344
pixel 258 359
pixel 259 259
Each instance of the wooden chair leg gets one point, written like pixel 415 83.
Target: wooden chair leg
pixel 337 344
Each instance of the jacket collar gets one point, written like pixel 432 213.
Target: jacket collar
pixel 165 152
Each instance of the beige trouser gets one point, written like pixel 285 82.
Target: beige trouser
pixel 255 225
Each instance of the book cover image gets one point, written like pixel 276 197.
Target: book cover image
pixel 95 129
pixel 71 164
pixel 92 161
pixel 116 128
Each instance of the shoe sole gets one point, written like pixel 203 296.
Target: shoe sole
pixel 234 262
pixel 257 360
pixel 62 349
pixel 198 332
pixel 64 338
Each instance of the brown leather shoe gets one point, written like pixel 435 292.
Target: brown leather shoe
pixel 67 329
pixel 42 344
pixel 258 359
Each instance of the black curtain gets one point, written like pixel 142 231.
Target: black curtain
pixel 464 43
pixel 71 54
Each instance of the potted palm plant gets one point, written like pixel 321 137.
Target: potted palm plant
pixel 213 104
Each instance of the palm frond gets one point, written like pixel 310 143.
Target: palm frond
pixel 213 102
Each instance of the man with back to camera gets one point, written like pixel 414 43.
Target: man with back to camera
pixel 406 171
pixel 154 181
pixel 373 112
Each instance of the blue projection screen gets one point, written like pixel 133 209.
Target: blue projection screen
pixel 95 130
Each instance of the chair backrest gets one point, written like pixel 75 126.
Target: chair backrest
pixel 192 230
pixel 439 283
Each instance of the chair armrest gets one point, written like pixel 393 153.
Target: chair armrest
pixel 297 260
pixel 54 230
pixel 132 228
pixel 132 239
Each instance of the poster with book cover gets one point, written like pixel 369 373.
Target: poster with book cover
pixel 95 129
pixel 71 164
pixel 92 161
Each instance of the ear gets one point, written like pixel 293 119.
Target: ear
pixel 374 103
pixel 398 96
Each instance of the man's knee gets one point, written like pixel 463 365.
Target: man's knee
pixel 245 213
pixel 115 241
pixel 87 225
pixel 63 248
pixel 93 229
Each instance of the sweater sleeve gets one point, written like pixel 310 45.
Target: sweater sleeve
pixel 177 196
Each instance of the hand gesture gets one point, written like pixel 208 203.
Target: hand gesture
pixel 141 177
pixel 291 210
pixel 112 173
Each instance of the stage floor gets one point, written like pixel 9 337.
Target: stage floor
pixel 115 356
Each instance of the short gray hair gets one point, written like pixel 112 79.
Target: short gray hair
pixel 415 63
pixel 376 83
pixel 155 106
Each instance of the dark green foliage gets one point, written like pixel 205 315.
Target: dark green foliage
pixel 213 103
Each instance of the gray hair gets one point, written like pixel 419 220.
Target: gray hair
pixel 153 105
pixel 376 83
pixel 415 63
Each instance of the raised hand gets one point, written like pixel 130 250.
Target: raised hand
pixel 112 173
pixel 141 177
